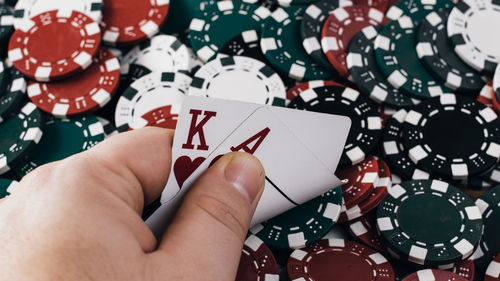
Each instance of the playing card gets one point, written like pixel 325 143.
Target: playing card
pixel 203 124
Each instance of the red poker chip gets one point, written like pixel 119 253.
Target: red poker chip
pixel 434 274
pixel 365 230
pixel 54 45
pixel 486 95
pixel 361 180
pixel 162 117
pixel 92 90
pixel 494 101
pixel 331 259
pixel 385 113
pixel 339 29
pixel 380 191
pixel 297 89
pixel 493 270
pixel 257 262
pixel 466 269
pixel 128 22
pixel 381 5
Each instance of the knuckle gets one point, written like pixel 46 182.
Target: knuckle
pixel 223 212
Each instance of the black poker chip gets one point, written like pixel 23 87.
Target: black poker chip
pixel 366 123
pixel 452 136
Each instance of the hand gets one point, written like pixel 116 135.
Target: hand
pixel 78 219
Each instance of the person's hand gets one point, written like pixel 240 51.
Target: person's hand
pixel 78 219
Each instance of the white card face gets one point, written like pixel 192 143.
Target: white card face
pixel 288 163
pixel 323 134
pixel 203 124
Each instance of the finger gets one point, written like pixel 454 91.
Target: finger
pixel 210 227
pixel 132 166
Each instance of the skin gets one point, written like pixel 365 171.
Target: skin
pixel 78 219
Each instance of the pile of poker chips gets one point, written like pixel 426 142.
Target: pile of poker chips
pixel 419 80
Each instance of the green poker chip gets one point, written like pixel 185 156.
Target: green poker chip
pixel 281 43
pixel 304 224
pixel 14 92
pixel 489 247
pixel 397 58
pixel 62 138
pixel 221 23
pixel 6 24
pixel 19 134
pixel 7 186
pixel 177 22
pixel 429 223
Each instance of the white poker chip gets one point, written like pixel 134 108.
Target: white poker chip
pixel 26 9
pixel 468 29
pixel 161 53
pixel 241 79
pixel 150 92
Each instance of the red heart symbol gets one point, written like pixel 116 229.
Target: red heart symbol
pixel 184 167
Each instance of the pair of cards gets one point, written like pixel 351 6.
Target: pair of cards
pixel 299 150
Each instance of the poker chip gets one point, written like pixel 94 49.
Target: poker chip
pixel 177 22
pixel 332 257
pixel 27 9
pixel 489 247
pixel 417 10
pixel 257 262
pixel 6 23
pixel 397 59
pixel 149 92
pixel 288 3
pixel 247 44
pixel 466 25
pixel 7 186
pixel 486 95
pixel 256 82
pixel 312 25
pixel 299 88
pixel 34 54
pixel 381 5
pixel 429 223
pixel 19 134
pixel 131 22
pixel 365 230
pixel 394 151
pixel 364 70
pixel 378 194
pixel 431 128
pixel 281 44
pixel 76 97
pixel 304 224
pixel 209 33
pixel 434 274
pixel 162 117
pixel 61 138
pixel 436 53
pixel 161 53
pixel 14 93
pixel 465 269
pixel 339 29
pixel 108 127
pixel 493 270
pixel 366 124
pixel 361 179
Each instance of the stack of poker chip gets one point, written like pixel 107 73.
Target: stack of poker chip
pixel 419 80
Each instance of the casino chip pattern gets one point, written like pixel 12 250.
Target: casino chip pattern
pixel 419 80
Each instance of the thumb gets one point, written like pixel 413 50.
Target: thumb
pixel 211 225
